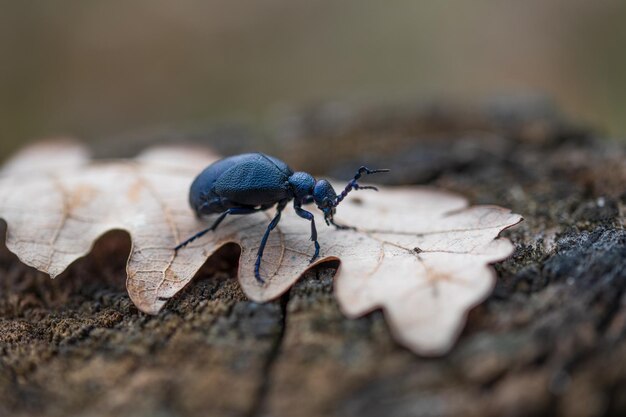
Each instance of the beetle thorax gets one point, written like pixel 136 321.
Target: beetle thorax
pixel 302 185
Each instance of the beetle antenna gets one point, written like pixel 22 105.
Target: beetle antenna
pixel 354 185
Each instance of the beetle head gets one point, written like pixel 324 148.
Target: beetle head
pixel 325 196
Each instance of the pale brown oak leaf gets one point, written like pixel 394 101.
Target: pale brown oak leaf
pixel 422 255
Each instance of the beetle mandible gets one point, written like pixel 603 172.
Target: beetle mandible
pixel 253 182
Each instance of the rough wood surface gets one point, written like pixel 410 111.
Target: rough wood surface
pixel 551 340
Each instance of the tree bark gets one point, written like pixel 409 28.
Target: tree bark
pixel 551 340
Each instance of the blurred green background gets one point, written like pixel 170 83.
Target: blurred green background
pixel 97 69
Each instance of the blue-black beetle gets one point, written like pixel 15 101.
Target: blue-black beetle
pixel 252 182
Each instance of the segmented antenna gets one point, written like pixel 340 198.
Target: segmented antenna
pixel 353 184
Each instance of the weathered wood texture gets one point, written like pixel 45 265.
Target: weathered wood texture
pixel 551 340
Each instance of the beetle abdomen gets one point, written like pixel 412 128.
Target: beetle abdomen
pixel 200 193
pixel 251 179
pixel 253 182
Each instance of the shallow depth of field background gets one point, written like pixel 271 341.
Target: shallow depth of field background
pixel 102 69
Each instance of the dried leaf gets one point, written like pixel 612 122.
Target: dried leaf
pixel 419 254
pixel 423 257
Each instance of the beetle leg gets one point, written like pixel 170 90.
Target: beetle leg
pixel 341 226
pixel 308 216
pixel 270 227
pixel 234 210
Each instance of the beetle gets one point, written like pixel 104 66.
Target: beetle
pixel 253 182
